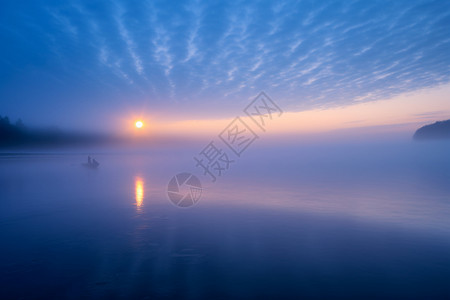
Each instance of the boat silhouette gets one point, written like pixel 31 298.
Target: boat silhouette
pixel 91 163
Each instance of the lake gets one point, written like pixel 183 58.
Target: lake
pixel 288 220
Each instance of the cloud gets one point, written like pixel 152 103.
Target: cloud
pixel 306 55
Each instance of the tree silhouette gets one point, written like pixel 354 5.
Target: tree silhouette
pixel 18 135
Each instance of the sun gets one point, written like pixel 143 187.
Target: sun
pixel 139 124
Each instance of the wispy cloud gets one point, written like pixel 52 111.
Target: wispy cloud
pixel 307 54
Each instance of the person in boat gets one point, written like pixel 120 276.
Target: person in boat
pixel 95 163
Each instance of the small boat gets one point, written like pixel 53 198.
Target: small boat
pixel 91 163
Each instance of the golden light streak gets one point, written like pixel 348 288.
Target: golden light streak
pixel 139 186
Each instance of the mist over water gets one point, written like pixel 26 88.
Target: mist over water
pixel 291 218
pixel 224 150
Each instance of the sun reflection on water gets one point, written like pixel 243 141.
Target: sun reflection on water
pixel 139 187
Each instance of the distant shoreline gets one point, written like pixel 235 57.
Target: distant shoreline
pixel 439 130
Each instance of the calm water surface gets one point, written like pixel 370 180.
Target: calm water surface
pixel 311 222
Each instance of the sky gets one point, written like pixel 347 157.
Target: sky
pixel 97 65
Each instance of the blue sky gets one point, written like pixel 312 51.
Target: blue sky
pixel 80 64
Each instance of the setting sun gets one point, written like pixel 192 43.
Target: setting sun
pixel 139 124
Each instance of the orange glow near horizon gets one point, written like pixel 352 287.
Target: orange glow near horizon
pixel 419 107
pixel 409 109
